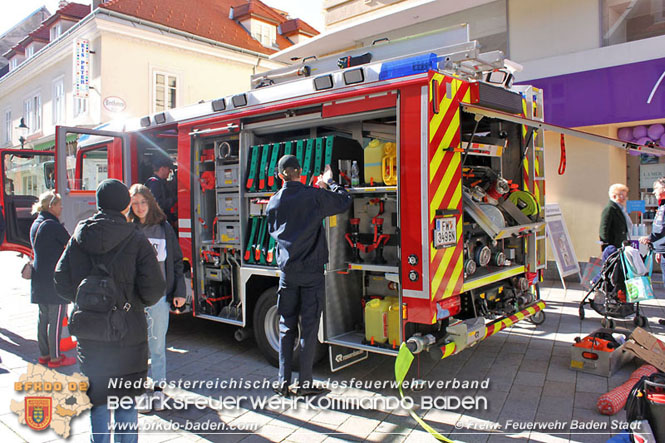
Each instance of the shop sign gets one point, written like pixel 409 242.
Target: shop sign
pixel 114 104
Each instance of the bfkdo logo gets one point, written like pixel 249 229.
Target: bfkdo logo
pixel 38 412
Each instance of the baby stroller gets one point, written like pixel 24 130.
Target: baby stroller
pixel 608 294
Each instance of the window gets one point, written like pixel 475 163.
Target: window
pixel 56 30
pixel 28 175
pixel 80 106
pixel 165 91
pixel 94 168
pixel 8 127
pixel 32 111
pixel 265 33
pixel 625 21
pixel 58 101
pixel 13 63
pixel 29 51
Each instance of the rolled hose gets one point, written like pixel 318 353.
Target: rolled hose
pixel 525 202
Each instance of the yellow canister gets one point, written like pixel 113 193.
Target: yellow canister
pixel 373 156
pixel 394 322
pixel 376 320
pixel 389 164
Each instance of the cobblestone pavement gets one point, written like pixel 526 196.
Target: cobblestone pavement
pixel 527 367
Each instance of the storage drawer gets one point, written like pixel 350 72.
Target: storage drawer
pixel 227 176
pixel 228 204
pixel 228 233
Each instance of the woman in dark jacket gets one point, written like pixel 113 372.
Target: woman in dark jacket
pixel 137 276
pixel 48 238
pixel 145 212
pixel 615 224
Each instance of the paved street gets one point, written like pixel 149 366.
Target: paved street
pixel 527 367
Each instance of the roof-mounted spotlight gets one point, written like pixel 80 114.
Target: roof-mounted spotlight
pixel 323 82
pixel 160 118
pixel 239 100
pixel 353 76
pixel 145 121
pixel 218 105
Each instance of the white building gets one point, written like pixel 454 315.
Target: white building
pixel 130 58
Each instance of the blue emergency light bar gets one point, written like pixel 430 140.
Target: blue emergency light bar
pixel 408 66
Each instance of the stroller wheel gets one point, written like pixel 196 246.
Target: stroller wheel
pixel 580 312
pixel 640 321
pixel 607 323
pixel 538 318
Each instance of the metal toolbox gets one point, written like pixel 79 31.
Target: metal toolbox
pixel 227 176
pixel 228 232
pixel 228 204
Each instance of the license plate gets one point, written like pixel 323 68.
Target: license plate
pixel 445 232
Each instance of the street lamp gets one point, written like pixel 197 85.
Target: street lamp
pixel 23 128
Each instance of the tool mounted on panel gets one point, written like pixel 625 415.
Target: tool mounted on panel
pixel 273 179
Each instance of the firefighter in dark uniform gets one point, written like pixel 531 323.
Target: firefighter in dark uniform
pixel 295 220
pixel 162 189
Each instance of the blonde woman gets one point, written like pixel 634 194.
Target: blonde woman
pixel 615 224
pixel 48 238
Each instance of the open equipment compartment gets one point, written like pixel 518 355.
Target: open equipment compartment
pixel 217 228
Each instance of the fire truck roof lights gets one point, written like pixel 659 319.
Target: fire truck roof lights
pixel 239 100
pixel 218 105
pixel 160 118
pixel 145 121
pixel 323 82
pixel 408 66
pixel 353 76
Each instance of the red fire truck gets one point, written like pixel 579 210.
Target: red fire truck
pixel 444 244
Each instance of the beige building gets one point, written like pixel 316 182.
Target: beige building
pixel 129 58
pixel 600 64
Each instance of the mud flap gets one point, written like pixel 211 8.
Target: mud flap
pixel 342 357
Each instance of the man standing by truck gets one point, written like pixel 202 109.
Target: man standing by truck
pixel 295 220
pixel 160 187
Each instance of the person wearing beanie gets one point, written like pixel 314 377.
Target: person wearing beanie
pixel 295 220
pixel 138 277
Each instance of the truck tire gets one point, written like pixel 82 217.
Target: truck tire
pixel 266 331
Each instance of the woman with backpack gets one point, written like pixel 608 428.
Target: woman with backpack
pixel 145 212
pixel 48 238
pixel 113 350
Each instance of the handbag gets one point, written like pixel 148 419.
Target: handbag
pixel 101 309
pixel 638 287
pixel 26 271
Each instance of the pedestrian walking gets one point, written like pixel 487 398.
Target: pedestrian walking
pixel 48 238
pixel 107 239
pixel 295 220
pixel 147 214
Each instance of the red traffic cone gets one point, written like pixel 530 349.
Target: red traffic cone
pixel 66 343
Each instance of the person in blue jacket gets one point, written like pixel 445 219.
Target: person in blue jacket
pixel 295 220
pixel 48 238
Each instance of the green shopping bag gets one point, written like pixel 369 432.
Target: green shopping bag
pixel 638 287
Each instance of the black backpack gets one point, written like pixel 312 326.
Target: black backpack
pixel 100 308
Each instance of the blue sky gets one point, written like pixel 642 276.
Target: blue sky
pixel 14 11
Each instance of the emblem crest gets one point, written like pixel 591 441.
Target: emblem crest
pixel 38 412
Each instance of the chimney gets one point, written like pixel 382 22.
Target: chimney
pixel 62 4
pixel 96 3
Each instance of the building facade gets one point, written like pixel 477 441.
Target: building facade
pixel 85 66
pixel 599 62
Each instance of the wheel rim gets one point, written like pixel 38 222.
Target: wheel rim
pixel 271 328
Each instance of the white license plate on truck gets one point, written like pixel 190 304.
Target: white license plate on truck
pixel 445 232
